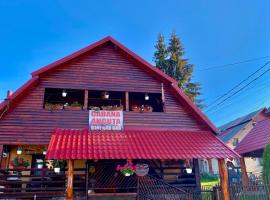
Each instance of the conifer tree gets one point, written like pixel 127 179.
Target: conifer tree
pixel 171 60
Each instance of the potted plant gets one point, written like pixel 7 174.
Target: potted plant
pixel 135 108
pixel 95 108
pixel 148 108
pixel 19 163
pixel 73 106
pixel 39 163
pixel 128 169
pixel 58 165
pixel 54 106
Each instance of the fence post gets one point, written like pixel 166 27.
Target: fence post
pixel 244 172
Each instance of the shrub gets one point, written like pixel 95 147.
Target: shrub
pixel 266 162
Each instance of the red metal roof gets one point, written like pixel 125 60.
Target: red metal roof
pixel 136 144
pixel 256 139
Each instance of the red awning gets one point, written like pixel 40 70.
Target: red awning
pixel 136 144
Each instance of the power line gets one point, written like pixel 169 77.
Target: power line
pixel 239 90
pixel 228 92
pixel 232 64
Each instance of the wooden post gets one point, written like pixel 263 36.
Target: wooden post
pixel 197 173
pixel 87 163
pixel 244 172
pixel 70 180
pixel 127 101
pixel 85 106
pixel 224 181
pixel 210 166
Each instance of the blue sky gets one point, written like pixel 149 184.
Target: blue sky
pixel 36 33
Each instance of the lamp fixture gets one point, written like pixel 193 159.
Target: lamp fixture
pixel 64 93
pixel 19 150
pixel 146 97
pixel 106 95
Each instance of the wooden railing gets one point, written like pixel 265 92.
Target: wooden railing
pixel 25 183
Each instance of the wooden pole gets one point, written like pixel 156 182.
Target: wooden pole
pixel 87 163
pixel 85 106
pixel 127 101
pixel 70 179
pixel 244 172
pixel 224 181
pixel 197 173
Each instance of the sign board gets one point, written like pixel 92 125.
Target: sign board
pixel 104 120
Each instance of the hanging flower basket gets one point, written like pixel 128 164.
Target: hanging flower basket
pixel 142 169
pixel 128 169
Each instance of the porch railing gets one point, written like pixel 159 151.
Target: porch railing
pixel 31 183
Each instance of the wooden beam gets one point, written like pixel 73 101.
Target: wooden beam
pixel 70 180
pixel 244 172
pixel 224 181
pixel 85 106
pixel 127 100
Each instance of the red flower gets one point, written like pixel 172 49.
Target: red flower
pixel 118 168
pixel 130 163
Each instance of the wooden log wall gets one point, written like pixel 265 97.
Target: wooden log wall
pixel 105 69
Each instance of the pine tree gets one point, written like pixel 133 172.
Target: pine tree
pixel 161 54
pixel 170 59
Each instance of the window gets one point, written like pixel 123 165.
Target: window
pixel 145 102
pixel 68 99
pixel 106 100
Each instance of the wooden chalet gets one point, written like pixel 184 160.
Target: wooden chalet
pixel 91 113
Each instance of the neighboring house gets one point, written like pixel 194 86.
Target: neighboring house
pixel 232 134
pixel 254 143
pixel 98 109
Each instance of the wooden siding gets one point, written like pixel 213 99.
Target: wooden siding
pixel 105 69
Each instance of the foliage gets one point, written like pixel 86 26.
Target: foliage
pixel 19 162
pixel 206 177
pixel 59 163
pixel 266 162
pixel 170 60
pixel 128 168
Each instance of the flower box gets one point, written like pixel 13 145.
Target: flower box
pixel 73 107
pixel 135 108
pixel 54 107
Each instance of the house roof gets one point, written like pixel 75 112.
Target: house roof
pixel 230 129
pixel 256 139
pixel 136 144
pixel 147 66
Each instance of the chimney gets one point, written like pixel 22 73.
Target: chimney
pixel 9 93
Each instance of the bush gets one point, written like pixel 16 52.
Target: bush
pixel 208 177
pixel 266 162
